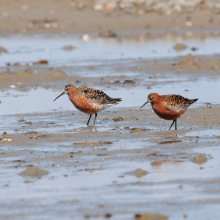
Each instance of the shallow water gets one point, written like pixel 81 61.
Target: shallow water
pixel 93 179
pixel 204 133
pixel 41 100
pixel 98 50
pixel 76 190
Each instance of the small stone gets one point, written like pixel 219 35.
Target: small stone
pixel 150 217
pixel 68 47
pixel 199 159
pixel 98 7
pixel 85 37
pixel 3 50
pixel 194 48
pixel 108 33
pixel 31 133
pixel 185 63
pixel 28 122
pixel 34 172
pixel 108 215
pixel 138 173
pixel 132 82
pixel 179 47
pixel 138 129
pixel 44 136
pixel 118 119
pixel 5 139
pixel 42 62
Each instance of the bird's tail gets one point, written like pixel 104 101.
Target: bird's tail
pixel 114 100
pixel 193 100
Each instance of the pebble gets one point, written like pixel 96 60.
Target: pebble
pixel 42 62
pixel 98 7
pixel 146 216
pixel 31 133
pixel 199 159
pixel 107 34
pixel 118 119
pixel 85 37
pixel 3 50
pixel 179 47
pixel 138 173
pixel 68 47
pixel 34 172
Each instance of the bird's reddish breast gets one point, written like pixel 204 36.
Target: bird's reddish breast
pixel 82 104
pixel 161 109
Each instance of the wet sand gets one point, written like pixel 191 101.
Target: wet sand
pixel 117 168
pixel 128 166
pixel 87 166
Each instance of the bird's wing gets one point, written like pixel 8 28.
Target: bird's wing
pixel 176 102
pixel 97 96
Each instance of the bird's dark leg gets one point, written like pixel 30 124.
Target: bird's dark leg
pixel 176 124
pixel 172 124
pixel 89 119
pixel 95 118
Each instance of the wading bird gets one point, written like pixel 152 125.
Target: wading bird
pixel 88 100
pixel 169 107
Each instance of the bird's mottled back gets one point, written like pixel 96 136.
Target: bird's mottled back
pixel 96 96
pixel 176 102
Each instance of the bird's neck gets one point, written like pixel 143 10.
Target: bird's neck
pixel 155 105
pixel 72 93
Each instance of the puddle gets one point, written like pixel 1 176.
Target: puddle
pixel 41 100
pixel 208 132
pixel 97 50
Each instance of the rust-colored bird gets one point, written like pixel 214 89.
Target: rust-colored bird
pixel 169 107
pixel 88 100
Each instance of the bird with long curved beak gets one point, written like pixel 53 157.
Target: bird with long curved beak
pixel 88 100
pixel 169 107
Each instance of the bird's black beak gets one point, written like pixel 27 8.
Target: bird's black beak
pixel 144 104
pixel 59 96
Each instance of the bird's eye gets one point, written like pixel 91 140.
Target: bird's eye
pixel 152 97
pixel 67 88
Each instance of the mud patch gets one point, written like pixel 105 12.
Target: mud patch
pixel 33 172
pixel 138 173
